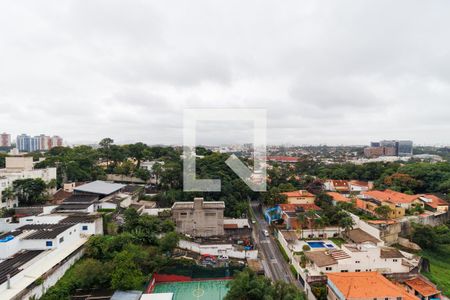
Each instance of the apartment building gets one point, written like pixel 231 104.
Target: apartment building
pixel 199 218
pixel 20 168
pixel 5 140
pixel 27 143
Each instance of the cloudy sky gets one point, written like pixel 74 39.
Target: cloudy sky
pixel 328 72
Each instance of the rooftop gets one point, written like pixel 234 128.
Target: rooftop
pixel 320 258
pixel 359 236
pixel 391 196
pixel 48 232
pixel 80 198
pixel 12 265
pixel 433 201
pixel 206 205
pixel 75 206
pixel 338 197
pixel 299 193
pixel 423 287
pixel 75 219
pixel 366 285
pixel 390 253
pixel 100 187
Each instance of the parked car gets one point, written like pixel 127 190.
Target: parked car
pixel 223 257
pixel 265 232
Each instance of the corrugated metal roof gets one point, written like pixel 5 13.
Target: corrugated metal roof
pixel 100 187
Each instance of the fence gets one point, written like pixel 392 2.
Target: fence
pixel 218 249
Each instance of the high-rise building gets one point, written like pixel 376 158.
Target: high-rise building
pixel 26 143
pixel 404 148
pixel 5 140
pixel 45 142
pixel 389 148
pixel 56 141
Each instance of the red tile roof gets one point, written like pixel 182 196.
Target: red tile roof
pixel 338 197
pixel 391 196
pixel 423 287
pixel 359 183
pixel 283 158
pixel 230 226
pixel 367 285
pixel 300 193
pixel 435 201
pixel 340 183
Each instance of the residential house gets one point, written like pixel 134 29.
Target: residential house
pixel 399 199
pixel 434 203
pixel 300 197
pixel 363 257
pixel 364 286
pixel 358 186
pixel 289 213
pixel 341 186
pixel 20 168
pixel 370 204
pixel 422 288
pixel 337 197
pixel 199 218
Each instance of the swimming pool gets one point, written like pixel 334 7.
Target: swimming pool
pixel 316 245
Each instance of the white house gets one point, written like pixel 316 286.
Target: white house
pixel 360 258
pixel 21 168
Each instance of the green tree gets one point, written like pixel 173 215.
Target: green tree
pixel 247 285
pixel 126 275
pixel 105 149
pixel 346 223
pixel 30 191
pixel 425 236
pixel 383 211
pixel 169 241
pixel 138 152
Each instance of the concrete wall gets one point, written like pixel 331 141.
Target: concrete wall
pixel 19 162
pixel 365 227
pixel 218 249
pixel 51 278
pixel 123 178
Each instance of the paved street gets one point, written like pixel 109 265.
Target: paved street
pixel 274 264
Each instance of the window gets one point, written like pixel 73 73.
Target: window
pixel 61 239
pixel 394 260
pixel 357 270
pixel 328 268
pixel 210 214
pixel 84 227
pixel 357 262
pixel 344 271
pixel 48 243
pixel 183 215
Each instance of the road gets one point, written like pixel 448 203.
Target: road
pixel 273 261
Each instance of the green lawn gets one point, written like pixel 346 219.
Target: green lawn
pixel 440 267
pixel 337 241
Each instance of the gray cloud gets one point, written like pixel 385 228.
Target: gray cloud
pixel 327 72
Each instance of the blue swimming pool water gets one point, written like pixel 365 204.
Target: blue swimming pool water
pixel 316 245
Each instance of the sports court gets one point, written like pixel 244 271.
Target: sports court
pixel 194 290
